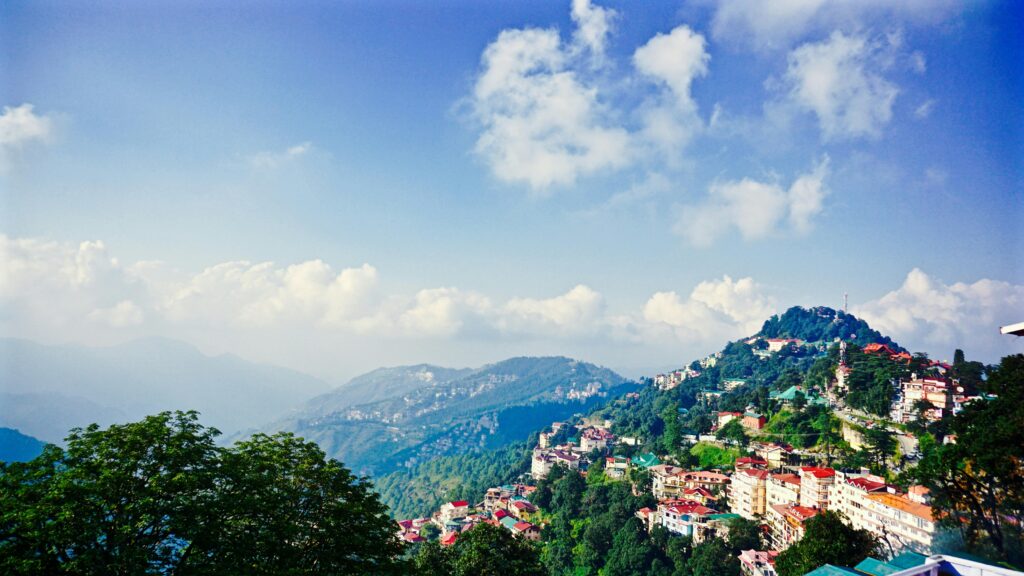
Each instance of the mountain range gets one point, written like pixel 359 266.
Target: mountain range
pixel 398 417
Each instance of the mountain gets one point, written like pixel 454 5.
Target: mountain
pixel 48 389
pixel 823 324
pixel 17 447
pixel 382 384
pixel 438 411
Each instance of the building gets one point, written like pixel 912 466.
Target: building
pixel 786 524
pixel 815 485
pixel 916 565
pixel 726 417
pixel 522 508
pixel 758 563
pixel 616 466
pixel 747 493
pixel 544 459
pixel 451 511
pixel 781 489
pixel 753 421
pixel 596 439
pixel 775 454
pixel 666 481
pixel 683 516
pixel 751 462
pixel 903 520
pixel 526 530
pixel 936 391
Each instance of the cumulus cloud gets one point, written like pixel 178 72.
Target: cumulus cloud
pixel 927 314
pixel 541 123
pixel 270 160
pixel 20 126
pixel 577 311
pixel 756 209
pixel 672 60
pixel 777 23
pixel 715 310
pixel 593 25
pixel 838 81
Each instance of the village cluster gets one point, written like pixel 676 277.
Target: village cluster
pixel 770 486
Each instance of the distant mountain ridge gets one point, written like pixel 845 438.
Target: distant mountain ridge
pixel 451 411
pixel 18 447
pixel 47 390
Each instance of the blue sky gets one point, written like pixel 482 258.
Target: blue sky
pixel 334 186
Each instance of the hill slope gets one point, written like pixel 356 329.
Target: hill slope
pixel 48 389
pixel 456 411
pixel 17 447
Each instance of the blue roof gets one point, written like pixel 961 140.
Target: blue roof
pixel 908 560
pixel 876 567
pixel 830 570
pixel 646 460
pixel 508 522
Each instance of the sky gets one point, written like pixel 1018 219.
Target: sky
pixel 334 187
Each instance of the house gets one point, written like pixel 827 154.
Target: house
pixel 777 344
pixel 526 530
pixel 750 462
pixel 775 454
pixel 753 421
pixel 665 481
pixel 616 467
pixel 702 495
pixel 596 439
pixel 726 417
pixel 681 516
pixel 747 492
pixel 758 563
pixel 731 383
pixel 648 517
pixel 788 396
pixel 451 511
pixel 544 459
pixel 449 538
pixel 522 509
pixel 815 485
pixel 936 391
pixel 645 460
pixel 786 523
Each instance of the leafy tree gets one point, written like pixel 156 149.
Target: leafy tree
pixel 880 445
pixel 733 431
pixel 673 434
pixel 631 552
pixel 484 550
pixel 827 540
pixel 159 497
pixel 713 558
pixel 744 534
pixel 978 482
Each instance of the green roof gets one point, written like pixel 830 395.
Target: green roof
pixel 908 560
pixel 876 567
pixel 646 460
pixel 830 570
pixel 723 516
pixel 789 394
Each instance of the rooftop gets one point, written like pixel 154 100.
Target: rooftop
pixel 903 503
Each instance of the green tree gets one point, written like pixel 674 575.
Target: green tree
pixel 744 534
pixel 733 431
pixel 484 550
pixel 631 552
pixel 673 433
pixel 880 444
pixel 978 481
pixel 713 558
pixel 827 540
pixel 159 497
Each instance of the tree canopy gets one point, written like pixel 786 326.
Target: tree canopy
pixel 827 540
pixel 160 497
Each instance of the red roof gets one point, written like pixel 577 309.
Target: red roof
pixel 787 478
pixel 500 514
pixel 759 474
pixel 751 460
pixel 459 503
pixel 733 413
pixel 449 539
pixel 522 526
pixel 818 472
pixel 405 524
pixel 866 484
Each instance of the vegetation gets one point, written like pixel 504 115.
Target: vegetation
pixel 160 497
pixel 827 540
pixel 979 479
pixel 483 551
pixel 709 456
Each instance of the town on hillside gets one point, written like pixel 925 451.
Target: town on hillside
pixel 765 478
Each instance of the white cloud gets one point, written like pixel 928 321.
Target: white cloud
pixel 673 60
pixel 756 209
pixel 593 25
pixel 776 24
pixel 715 310
pixel 542 124
pixel 837 80
pixel 925 109
pixel 918 62
pixel 577 311
pixel 927 314
pixel 124 313
pixel 270 160
pixel 20 126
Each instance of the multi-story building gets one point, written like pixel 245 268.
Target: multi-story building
pixel 544 459
pixel 815 484
pixel 902 520
pixel 936 391
pixel 758 563
pixel 782 489
pixel 682 516
pixel 596 439
pixel 747 492
pixel 786 524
